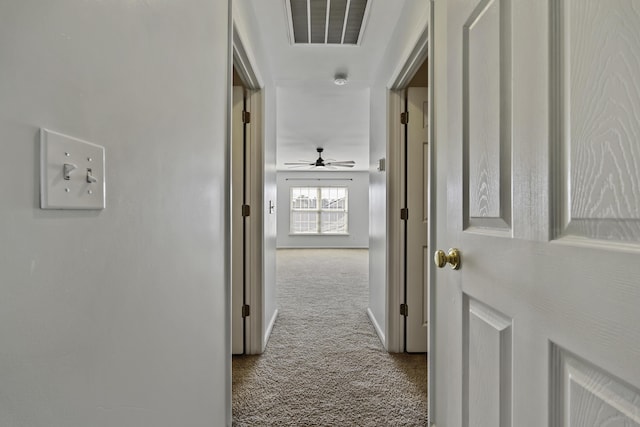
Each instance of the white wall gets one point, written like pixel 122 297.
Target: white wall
pixel 358 185
pixel 246 25
pixel 377 211
pixel 412 21
pixel 271 221
pixel 335 118
pixel 116 317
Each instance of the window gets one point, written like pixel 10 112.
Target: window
pixel 319 210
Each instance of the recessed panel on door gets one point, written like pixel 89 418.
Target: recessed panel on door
pixel 487 357
pixel 583 395
pixel 487 123
pixel 596 91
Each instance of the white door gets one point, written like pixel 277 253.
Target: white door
pixel 541 114
pixel 246 223
pixel 417 253
pixel 238 250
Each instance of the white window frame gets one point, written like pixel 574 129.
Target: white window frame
pixel 319 210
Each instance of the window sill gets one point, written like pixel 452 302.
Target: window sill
pixel 318 234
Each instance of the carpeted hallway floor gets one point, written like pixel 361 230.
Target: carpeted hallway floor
pixel 324 364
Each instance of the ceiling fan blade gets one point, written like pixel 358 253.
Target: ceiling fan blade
pixel 298 166
pixel 342 165
pixel 326 163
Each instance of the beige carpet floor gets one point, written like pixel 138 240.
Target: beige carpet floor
pixel 324 364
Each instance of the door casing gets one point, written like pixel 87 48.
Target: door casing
pixel 255 340
pixel 395 332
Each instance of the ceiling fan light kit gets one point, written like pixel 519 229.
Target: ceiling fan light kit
pixel 320 162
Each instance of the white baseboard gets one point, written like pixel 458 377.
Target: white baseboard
pixel 376 326
pixel 322 247
pixel 267 333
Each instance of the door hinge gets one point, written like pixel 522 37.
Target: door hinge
pixel 404 214
pixel 246 117
pixel 246 310
pixel 404 310
pixel 404 118
pixel 246 210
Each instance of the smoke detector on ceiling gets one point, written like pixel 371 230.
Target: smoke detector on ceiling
pixel 327 22
pixel 340 79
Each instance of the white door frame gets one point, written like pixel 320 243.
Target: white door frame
pixel 395 266
pixel 254 227
pixel 394 173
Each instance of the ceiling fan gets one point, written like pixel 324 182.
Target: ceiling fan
pixel 320 162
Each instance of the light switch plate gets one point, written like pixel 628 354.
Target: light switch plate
pixel 85 186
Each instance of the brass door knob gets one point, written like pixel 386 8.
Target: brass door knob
pixel 453 257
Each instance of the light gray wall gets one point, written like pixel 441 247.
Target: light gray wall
pixel 412 20
pixel 358 184
pixel 246 25
pixel 116 317
pixel 335 118
pixel 271 217
pixel 377 209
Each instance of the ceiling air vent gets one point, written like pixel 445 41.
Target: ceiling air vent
pixel 326 21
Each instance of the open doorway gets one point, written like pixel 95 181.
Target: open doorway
pixel 252 209
pixel 414 185
pixel 242 234
pixel 404 38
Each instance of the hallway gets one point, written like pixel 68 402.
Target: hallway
pixel 324 364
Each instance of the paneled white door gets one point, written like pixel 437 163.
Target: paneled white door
pixel 417 254
pixel 238 225
pixel 541 324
